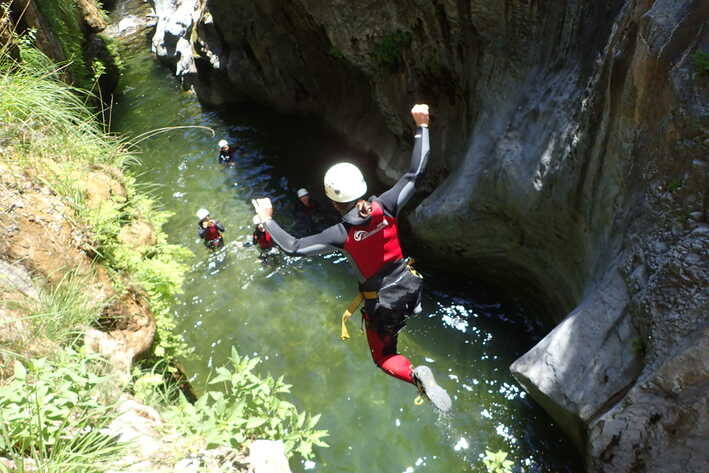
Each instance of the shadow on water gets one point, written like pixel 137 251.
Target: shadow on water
pixel 287 310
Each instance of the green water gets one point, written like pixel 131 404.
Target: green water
pixel 288 312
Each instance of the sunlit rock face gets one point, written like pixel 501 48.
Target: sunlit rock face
pixel 569 163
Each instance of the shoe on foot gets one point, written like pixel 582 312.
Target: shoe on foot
pixel 426 384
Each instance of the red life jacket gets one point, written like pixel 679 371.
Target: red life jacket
pixel 375 244
pixel 264 240
pixel 212 232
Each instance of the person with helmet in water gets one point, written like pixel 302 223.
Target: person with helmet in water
pixel 210 230
pixel 261 238
pixel 308 205
pixel 227 152
pixel 307 213
pixel 368 233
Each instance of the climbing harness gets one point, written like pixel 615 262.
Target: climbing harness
pixel 370 295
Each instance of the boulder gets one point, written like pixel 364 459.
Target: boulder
pixel 662 424
pixel 268 456
pixel 15 278
pixel 101 187
pixel 589 359
pixel 138 426
pixel 92 15
pixel 174 21
pixel 138 234
pixel 185 68
pixel 129 331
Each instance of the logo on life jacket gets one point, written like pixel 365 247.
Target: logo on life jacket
pixel 360 235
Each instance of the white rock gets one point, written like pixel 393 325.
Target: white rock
pixel 268 456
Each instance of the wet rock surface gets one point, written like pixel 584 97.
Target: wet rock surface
pixel 569 162
pixel 135 19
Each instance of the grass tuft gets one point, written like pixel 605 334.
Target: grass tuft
pixel 64 310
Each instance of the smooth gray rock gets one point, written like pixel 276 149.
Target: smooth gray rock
pixel 15 277
pixel 185 68
pixel 590 357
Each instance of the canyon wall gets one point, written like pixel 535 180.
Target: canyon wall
pixel 569 161
pixel 71 34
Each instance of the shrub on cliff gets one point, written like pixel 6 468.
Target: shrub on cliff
pixel 247 407
pixel 52 413
pixel 49 130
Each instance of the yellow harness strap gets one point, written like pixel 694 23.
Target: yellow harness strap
pixel 344 333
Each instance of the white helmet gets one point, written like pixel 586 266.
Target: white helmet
pixel 302 192
pixel 344 182
pixel 223 143
pixel 202 213
pixel 256 220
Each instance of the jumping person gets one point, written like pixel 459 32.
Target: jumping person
pixel 210 230
pixel 368 233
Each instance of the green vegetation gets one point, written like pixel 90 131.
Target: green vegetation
pixel 701 61
pixel 52 413
pixel 88 63
pixel 674 186
pixel 639 346
pixel 52 409
pixel 335 53
pixel 388 51
pixel 114 50
pixel 246 408
pixel 50 131
pixel 496 462
pixel 62 310
pixel 63 19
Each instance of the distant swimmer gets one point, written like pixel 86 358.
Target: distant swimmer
pixel 307 204
pixel 210 230
pixel 368 233
pixel 308 214
pixel 227 152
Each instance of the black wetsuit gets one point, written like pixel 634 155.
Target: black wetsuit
pixel 228 156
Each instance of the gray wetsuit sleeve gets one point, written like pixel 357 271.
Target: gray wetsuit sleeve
pixel 331 239
pixel 395 198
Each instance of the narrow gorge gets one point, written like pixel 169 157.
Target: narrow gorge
pixel 561 228
pixel 569 163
